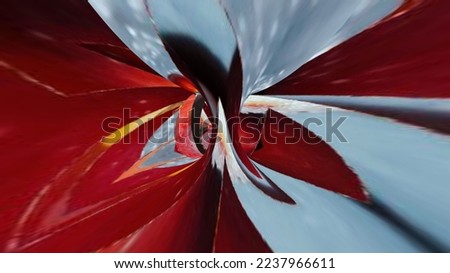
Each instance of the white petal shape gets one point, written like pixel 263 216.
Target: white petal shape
pixel 321 221
pixel 204 21
pixel 162 146
pixel 405 167
pixel 277 37
pixel 131 22
pixel 437 105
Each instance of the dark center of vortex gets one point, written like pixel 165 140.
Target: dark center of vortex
pixel 211 78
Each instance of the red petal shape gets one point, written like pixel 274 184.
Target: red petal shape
pixel 188 226
pixel 406 56
pixel 235 232
pixel 44 134
pixel 67 69
pixel 249 131
pixel 41 44
pixel 69 21
pixel 112 219
pixel 298 152
pixel 184 139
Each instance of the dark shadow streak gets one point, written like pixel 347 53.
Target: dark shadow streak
pixel 427 242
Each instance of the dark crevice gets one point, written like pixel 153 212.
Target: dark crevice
pixel 195 60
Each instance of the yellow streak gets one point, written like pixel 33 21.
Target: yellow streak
pixel 112 138
pixel 180 171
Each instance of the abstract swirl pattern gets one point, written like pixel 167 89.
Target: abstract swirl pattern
pixel 225 126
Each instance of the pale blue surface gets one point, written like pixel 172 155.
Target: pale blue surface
pixel 277 37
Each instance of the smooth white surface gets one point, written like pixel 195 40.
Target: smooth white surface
pixel 275 38
pixel 407 168
pixel 131 22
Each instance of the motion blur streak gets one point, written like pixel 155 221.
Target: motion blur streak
pixel 224 126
